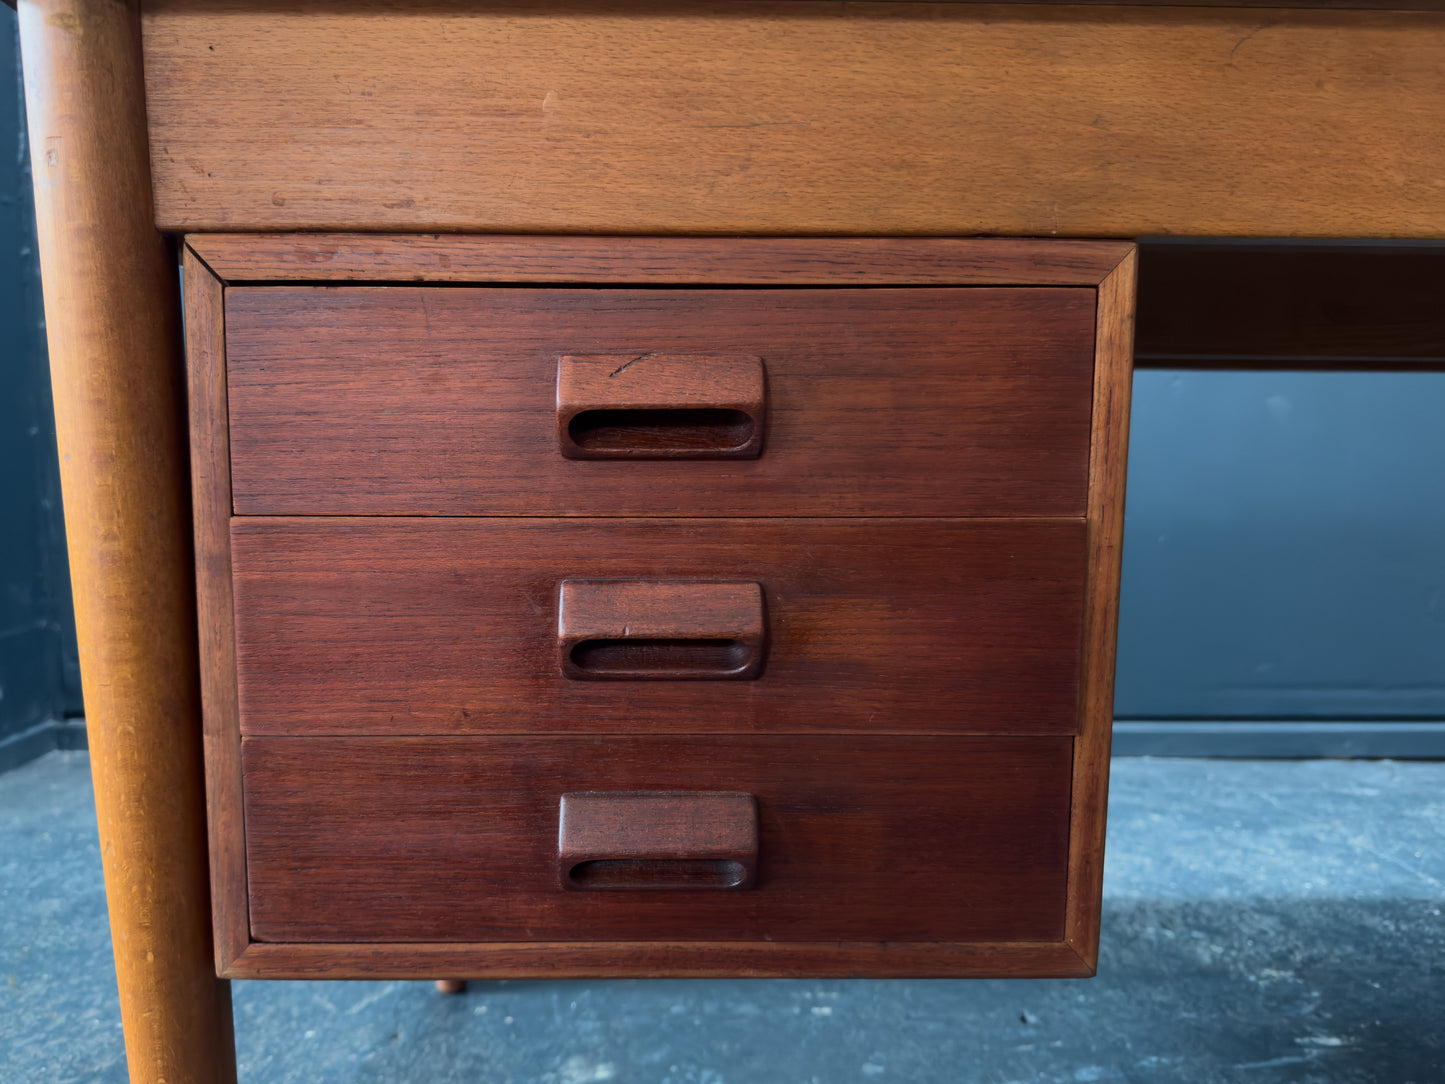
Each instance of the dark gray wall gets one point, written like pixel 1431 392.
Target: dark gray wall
pixel 39 676
pixel 1285 547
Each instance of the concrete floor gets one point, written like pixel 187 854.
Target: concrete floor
pixel 1264 922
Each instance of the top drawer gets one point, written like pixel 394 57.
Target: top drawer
pixel 387 400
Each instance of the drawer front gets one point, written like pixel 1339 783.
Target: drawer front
pixel 412 626
pixel 456 839
pixel 878 402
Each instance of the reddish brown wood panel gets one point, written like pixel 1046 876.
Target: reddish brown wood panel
pixel 372 400
pixel 872 839
pixel 400 626
pixel 660 406
pixel 663 840
pixel 664 630
pixel 663 959
pixel 658 261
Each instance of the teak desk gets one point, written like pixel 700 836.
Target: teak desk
pixel 608 119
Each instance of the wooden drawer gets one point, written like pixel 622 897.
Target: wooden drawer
pixel 408 626
pixel 456 839
pixel 879 402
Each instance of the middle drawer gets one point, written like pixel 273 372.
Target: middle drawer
pixel 409 626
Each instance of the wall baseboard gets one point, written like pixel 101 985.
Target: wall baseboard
pixel 1424 740
pixel 42 738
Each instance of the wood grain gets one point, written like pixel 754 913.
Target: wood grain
pixel 448 626
pixel 661 406
pixel 662 959
pixel 795 118
pixel 211 503
pixel 926 839
pixel 657 839
pixel 403 400
pixel 658 261
pixel 113 325
pixel 660 629
pixel 1240 305
pixel 1107 462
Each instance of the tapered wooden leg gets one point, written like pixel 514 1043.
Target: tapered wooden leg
pixel 112 313
pixel 452 986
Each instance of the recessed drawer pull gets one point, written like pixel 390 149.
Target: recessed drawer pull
pixel 679 630
pixel 660 406
pixel 662 839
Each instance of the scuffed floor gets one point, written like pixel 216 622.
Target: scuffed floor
pixel 1265 921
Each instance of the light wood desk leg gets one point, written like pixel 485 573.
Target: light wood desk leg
pixel 111 308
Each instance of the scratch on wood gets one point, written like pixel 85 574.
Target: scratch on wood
pixel 634 361
pixel 758 124
pixel 1252 33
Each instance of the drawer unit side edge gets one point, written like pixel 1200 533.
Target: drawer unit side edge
pixel 1108 459
pixel 204 315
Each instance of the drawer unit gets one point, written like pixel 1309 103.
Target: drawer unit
pixel 655 621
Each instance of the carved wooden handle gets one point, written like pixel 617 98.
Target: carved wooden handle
pixel 660 629
pixel 660 406
pixel 657 839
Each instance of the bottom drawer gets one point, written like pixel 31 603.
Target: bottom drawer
pixel 859 838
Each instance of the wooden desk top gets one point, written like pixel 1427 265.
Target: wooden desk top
pixel 768 117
